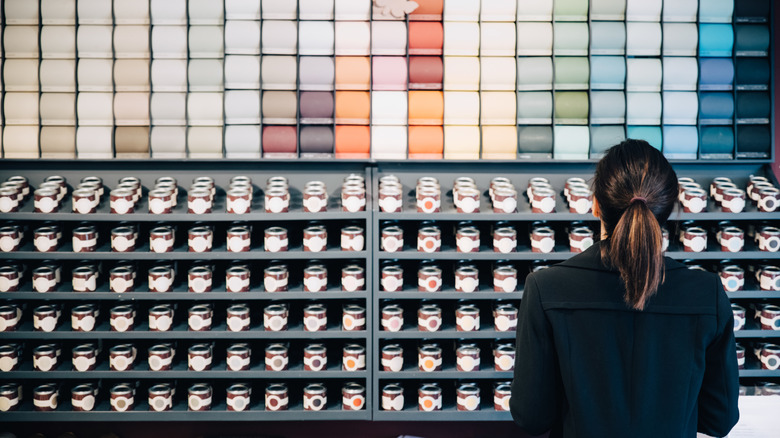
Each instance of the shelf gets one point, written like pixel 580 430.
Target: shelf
pixel 764 374
pixel 756 333
pixel 446 414
pixel 448 372
pixel 142 372
pixel 447 333
pixel 450 294
pixel 560 253
pixel 180 331
pixel 179 215
pixel 180 413
pixel 563 215
pixel 753 294
pixel 180 294
pixel 181 253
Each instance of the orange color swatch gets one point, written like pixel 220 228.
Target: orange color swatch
pixel 426 142
pixel 353 141
pixel 426 107
pixel 353 107
pixel 353 73
pixel 426 38
pixel 429 10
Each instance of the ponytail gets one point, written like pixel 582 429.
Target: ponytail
pixel 636 190
pixel 635 249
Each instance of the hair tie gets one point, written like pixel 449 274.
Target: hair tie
pixel 638 198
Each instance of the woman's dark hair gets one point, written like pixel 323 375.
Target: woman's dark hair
pixel 636 190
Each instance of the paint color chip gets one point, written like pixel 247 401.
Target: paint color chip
pixel 388 108
pixel 388 142
pixel 388 38
pixel 462 38
pixel 680 74
pixel 353 38
pixel 534 73
pixel 426 107
pixel 607 72
pixel 534 141
pixel 461 73
pixel 643 108
pixel 168 141
pixel 353 141
pixel 534 39
pixel 242 141
pixel 571 142
pixel 353 107
pixel 280 37
pixel 242 107
pixel 498 108
pixel 461 108
pixel 280 107
pixel 681 142
pixel 498 73
pixel 534 107
pixel 426 72
pixel 316 140
pixel 280 141
pixel 317 73
pixel 58 142
pixel 461 142
pixel 204 142
pixel 426 142
pixel 497 39
pixel 389 73
pixel 279 73
pixel 316 38
pixel 353 73
pixel 426 38
pixel 499 142
pixel 242 72
pixel 681 107
pixel 317 107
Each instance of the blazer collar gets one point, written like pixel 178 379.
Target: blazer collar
pixel 591 259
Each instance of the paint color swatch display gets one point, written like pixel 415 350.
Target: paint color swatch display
pixel 430 79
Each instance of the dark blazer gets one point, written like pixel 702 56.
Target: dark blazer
pixel 588 365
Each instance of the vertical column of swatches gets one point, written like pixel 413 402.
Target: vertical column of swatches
pixel 316 47
pixel 279 77
pixel 205 69
pixel 607 74
pixel 498 76
pixel 753 72
pixel 353 79
pixel 95 79
pixel 169 78
pixel 58 79
pixel 571 79
pixel 716 86
pixel 242 79
pixel 535 78
pixel 680 73
pixel 644 71
pixel 131 78
pixel 426 74
pixel 389 95
pixel 20 79
pixel 462 137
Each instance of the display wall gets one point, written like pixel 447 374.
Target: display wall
pixel 316 90
pixel 458 79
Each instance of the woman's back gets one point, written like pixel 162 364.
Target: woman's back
pixel 619 340
pixel 594 367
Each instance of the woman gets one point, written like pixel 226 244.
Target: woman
pixel 620 341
